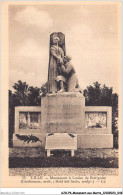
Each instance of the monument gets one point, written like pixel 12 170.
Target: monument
pixel 63 115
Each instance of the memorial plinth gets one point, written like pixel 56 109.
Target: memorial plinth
pixel 63 110
pixel 63 113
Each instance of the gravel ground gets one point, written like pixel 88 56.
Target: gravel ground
pixel 63 171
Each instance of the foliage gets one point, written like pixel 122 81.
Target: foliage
pixel 103 96
pixel 28 138
pixel 11 117
pixel 44 89
pixel 21 93
pixel 49 134
pixel 71 135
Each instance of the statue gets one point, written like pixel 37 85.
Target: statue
pixel 68 71
pixel 56 58
pixel 61 74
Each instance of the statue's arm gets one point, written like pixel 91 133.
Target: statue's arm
pixel 53 53
pixel 67 69
pixel 62 53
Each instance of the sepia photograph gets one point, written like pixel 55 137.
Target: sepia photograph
pixel 61 81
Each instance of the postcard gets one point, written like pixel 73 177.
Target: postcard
pixel 61 94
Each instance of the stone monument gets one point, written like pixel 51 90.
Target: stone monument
pixel 63 115
pixel 62 109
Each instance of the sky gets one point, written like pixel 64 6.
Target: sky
pixel 91 36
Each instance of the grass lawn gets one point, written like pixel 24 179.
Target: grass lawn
pixel 36 157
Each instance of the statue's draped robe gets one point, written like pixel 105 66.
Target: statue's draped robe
pixel 69 72
pixel 53 67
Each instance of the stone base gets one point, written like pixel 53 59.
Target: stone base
pixel 83 141
pixel 65 113
pixel 95 141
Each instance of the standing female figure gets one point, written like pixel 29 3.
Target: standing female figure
pixel 56 58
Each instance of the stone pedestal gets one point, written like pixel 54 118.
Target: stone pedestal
pixel 66 113
pixel 63 113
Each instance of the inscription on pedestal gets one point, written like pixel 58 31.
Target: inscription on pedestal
pixel 63 113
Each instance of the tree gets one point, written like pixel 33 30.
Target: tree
pixel 103 96
pixel 44 89
pixel 11 117
pixel 34 97
pixel 21 93
pixel 25 95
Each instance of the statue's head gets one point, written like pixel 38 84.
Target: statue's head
pixel 56 40
pixel 67 58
